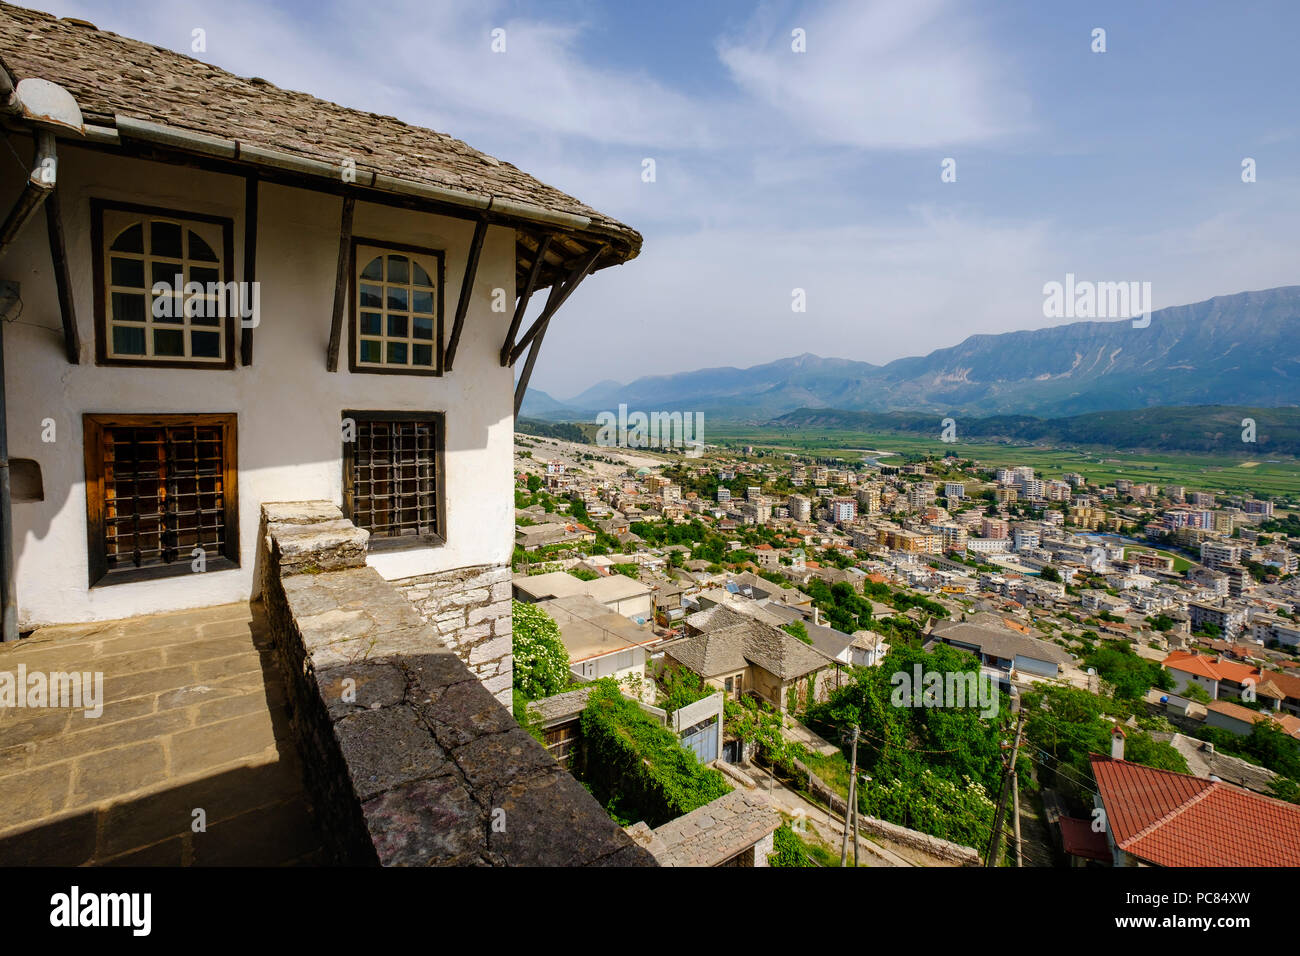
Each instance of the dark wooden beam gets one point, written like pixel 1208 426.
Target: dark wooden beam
pixel 560 293
pixel 527 373
pixel 250 263
pixel 466 291
pixel 529 286
pixel 538 331
pixel 62 277
pixel 341 280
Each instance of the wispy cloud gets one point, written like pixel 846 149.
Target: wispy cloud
pixel 878 74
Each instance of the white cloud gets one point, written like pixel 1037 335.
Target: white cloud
pixel 886 73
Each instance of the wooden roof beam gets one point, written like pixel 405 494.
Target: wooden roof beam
pixel 466 291
pixel 530 285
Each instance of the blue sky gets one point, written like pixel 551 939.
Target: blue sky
pixel 821 170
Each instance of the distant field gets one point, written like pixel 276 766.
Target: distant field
pixel 1198 472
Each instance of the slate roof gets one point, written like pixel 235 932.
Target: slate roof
pixel 751 642
pixel 1000 642
pixel 111 75
pixel 1172 819
pixel 711 834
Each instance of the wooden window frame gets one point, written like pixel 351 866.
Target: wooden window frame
pixel 440 455
pixel 354 308
pixel 93 425
pixel 99 257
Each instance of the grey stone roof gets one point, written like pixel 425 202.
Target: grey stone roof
pixel 560 706
pixel 750 642
pixel 1001 642
pixel 111 75
pixel 713 833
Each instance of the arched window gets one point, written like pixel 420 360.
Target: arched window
pixel 398 315
pixel 165 298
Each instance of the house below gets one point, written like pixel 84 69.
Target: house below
pixel 1162 818
pixel 734 830
pixel 755 658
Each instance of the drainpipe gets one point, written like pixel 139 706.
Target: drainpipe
pixel 46 107
pixel 38 186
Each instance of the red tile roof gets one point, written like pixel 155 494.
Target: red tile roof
pixel 1172 819
pixel 1215 668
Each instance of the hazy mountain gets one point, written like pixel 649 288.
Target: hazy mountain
pixel 1241 349
pixel 1189 428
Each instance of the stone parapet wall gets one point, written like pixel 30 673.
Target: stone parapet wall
pixel 470 610
pixel 409 760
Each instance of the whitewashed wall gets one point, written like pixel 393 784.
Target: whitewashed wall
pixel 289 406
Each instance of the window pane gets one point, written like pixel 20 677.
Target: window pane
pixel 199 249
pixel 131 240
pixel 168 342
pixel 396 353
pixel 397 325
pixel 422 355
pixel 371 323
pixel 371 297
pixel 370 350
pixel 128 340
pixel 165 240
pixel 422 327
pixel 397 269
pixel 205 344
pixel 168 308
pixel 397 299
pixel 128 307
pixel 422 302
pixel 204 311
pixel 129 272
pixel 374 269
pixel 204 275
pixel 166 272
pixel 419 276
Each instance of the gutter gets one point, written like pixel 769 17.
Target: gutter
pixel 231 149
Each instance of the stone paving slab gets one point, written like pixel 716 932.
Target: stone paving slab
pixel 193 717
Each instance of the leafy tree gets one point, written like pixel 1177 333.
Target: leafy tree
pixel 789 849
pixel 1131 676
pixel 797 629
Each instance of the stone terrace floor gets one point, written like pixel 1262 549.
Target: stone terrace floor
pixel 193 718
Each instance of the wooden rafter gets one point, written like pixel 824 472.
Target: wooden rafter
pixel 341 279
pixel 466 292
pixel 62 278
pixel 530 285
pixel 560 292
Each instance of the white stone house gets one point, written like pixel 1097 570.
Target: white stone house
pixel 391 268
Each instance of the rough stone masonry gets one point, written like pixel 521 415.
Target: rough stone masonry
pixel 470 610
pixel 408 759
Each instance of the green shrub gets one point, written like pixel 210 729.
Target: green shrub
pixel 635 766
pixel 541 662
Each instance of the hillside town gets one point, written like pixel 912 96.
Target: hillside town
pixel 773 578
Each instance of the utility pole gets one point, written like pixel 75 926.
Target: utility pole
pixel 848 809
pixel 1015 809
pixel 995 838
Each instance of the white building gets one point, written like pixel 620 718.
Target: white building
pixel 374 373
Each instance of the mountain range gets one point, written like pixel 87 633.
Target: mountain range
pixel 1241 349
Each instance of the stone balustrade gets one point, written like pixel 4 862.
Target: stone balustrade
pixel 409 759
